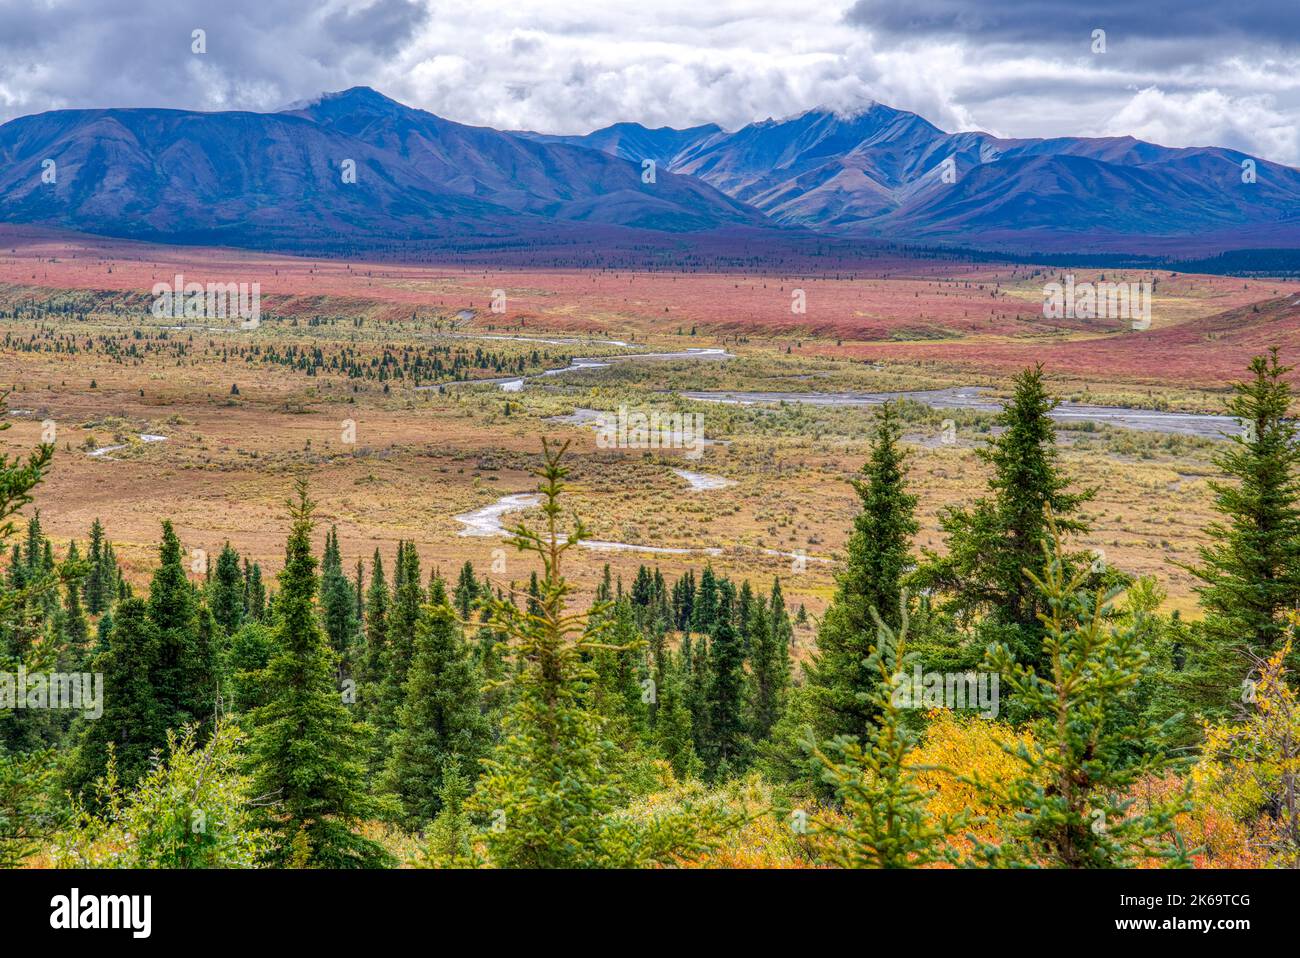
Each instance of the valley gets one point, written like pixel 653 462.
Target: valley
pixel 418 411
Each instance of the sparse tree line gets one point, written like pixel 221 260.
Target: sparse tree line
pixel 417 363
pixel 368 714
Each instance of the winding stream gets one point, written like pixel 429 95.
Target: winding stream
pixel 1204 425
pixel 582 363
pixel 701 482
pixel 487 521
pixel 103 451
pixel 973 397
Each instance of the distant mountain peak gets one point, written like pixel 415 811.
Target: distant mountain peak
pixel 858 109
pixel 847 111
pixel 360 94
pixel 850 111
pixel 858 113
pixel 353 97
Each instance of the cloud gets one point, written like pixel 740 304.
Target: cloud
pixel 1061 21
pixel 139 52
pixel 1208 118
pixel 383 26
pixel 1019 68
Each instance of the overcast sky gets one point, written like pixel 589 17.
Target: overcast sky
pixel 1177 72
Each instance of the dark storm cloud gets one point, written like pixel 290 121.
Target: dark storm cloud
pixel 384 26
pixel 260 53
pixel 1271 22
pixel 1178 72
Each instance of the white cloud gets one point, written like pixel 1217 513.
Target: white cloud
pixel 555 66
pixel 1251 124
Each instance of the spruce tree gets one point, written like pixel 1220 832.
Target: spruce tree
pixel 782 627
pixel 437 594
pixel 661 611
pixel 306 750
pixel 338 603
pixel 440 720
pixel 466 593
pixel 741 615
pixel 134 719
pixel 879 552
pixel 535 593
pixel 408 597
pixel 17 570
pixel 255 592
pixel 605 589
pixel 111 576
pixel 359 596
pixel 684 601
pixel 643 595
pixel 377 604
pixel 75 627
pixel 226 598
pixel 991 543
pixel 95 589
pixel 186 675
pixel 704 608
pixel 1250 570
pixel 697 680
pixel 450 835
pixel 770 665
pixel 32 545
pixel 42 568
pixel 725 737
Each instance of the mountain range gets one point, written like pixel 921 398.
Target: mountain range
pixel 880 172
pixel 278 179
pixel 281 180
